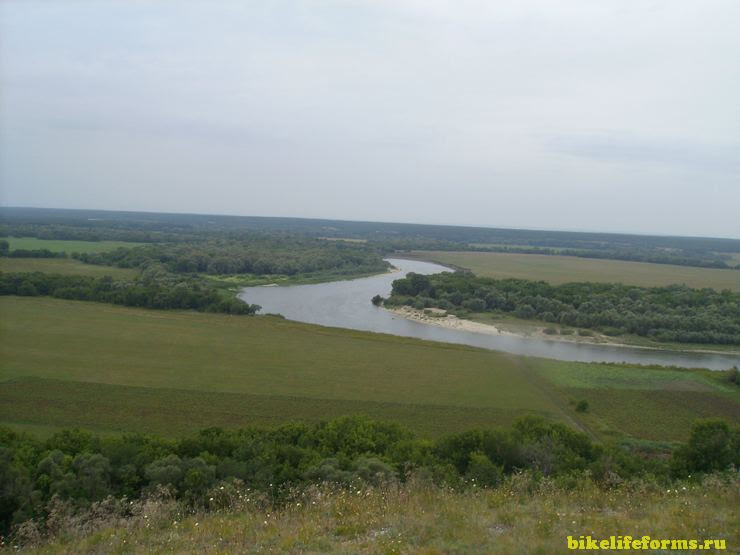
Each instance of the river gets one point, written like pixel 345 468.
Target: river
pixel 346 304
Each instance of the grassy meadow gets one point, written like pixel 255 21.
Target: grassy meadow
pixel 564 269
pixel 112 369
pixel 518 517
pixel 68 246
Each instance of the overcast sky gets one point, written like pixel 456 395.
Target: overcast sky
pixel 618 115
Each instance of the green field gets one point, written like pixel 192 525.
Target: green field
pixel 67 266
pixel 58 245
pixel 564 269
pixel 650 403
pixel 109 369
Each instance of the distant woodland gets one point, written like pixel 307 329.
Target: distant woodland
pixel 178 254
pixel 385 238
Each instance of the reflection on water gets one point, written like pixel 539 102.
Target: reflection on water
pixel 346 304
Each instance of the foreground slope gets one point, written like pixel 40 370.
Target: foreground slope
pixel 518 517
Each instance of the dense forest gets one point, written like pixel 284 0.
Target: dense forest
pixel 673 313
pixel 96 225
pixel 204 470
pixel 259 254
pixel 153 289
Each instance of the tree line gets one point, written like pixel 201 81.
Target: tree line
pixel 86 233
pixel 260 254
pixel 674 313
pixel 81 468
pixel 96 225
pixel 153 289
pixel 27 253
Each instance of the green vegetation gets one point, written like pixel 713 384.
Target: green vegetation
pixel 155 350
pixel 27 253
pixel 565 269
pixel 236 282
pixel 523 515
pixel 258 254
pixel 68 246
pixel 63 266
pixel 183 370
pixel 387 237
pixel 151 289
pixel 229 254
pixel 64 475
pixel 648 403
pixel 43 406
pixel 467 450
pixel 674 313
pixel 195 272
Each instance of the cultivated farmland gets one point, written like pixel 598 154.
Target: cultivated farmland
pixel 111 369
pixel 563 269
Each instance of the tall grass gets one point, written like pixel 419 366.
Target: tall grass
pixel 524 515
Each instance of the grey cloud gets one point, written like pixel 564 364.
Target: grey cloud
pixel 192 130
pixel 524 114
pixel 623 147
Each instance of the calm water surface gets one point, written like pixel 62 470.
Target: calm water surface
pixel 346 304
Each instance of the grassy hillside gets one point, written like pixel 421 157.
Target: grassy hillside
pixel 518 517
pixel 108 368
pixel 564 269
pixel 67 266
pixel 59 245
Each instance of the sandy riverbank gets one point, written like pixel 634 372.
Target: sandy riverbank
pixel 449 321
pixel 434 317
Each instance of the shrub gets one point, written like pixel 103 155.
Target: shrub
pixel 712 445
pixel 475 305
pixel 733 375
pixel 483 472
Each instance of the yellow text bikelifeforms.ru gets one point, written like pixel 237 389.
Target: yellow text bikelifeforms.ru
pixel 643 542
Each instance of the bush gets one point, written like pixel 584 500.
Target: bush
pixel 475 305
pixel 582 406
pixel 79 469
pixel 712 446
pixel 483 472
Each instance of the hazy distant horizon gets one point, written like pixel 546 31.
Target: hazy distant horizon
pixel 391 222
pixel 613 116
